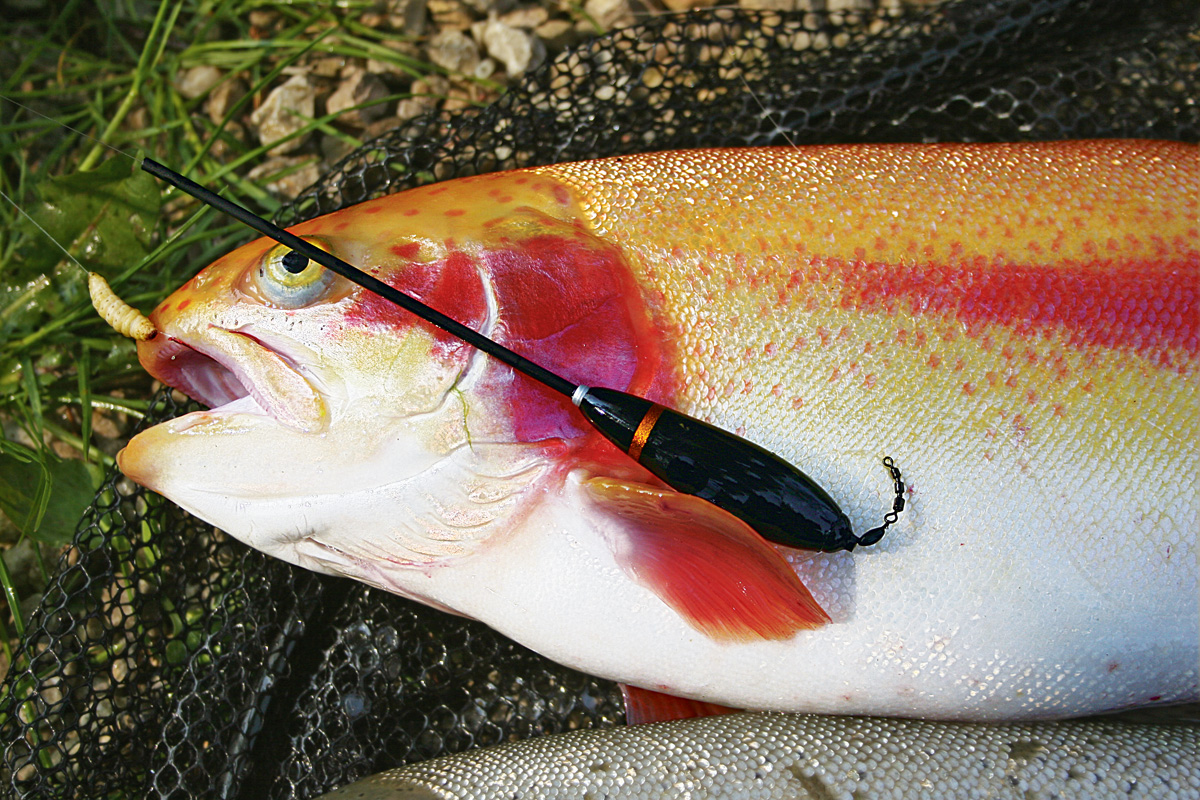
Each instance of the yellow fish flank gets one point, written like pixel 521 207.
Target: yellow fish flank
pixel 1015 325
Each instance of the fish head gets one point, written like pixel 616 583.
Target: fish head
pixel 351 438
pixel 337 416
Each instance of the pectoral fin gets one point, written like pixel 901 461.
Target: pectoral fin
pixel 705 563
pixel 647 705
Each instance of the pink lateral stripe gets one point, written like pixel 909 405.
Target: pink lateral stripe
pixel 1149 307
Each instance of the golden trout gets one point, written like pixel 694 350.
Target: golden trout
pixel 1015 325
pixel 769 756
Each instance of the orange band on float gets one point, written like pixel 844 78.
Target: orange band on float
pixel 643 431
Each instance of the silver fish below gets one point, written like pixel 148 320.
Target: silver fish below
pixel 748 756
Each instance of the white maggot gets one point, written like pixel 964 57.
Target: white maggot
pixel 124 318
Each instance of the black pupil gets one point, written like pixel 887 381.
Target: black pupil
pixel 295 262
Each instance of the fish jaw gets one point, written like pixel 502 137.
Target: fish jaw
pixel 394 510
pixel 228 365
pixel 368 494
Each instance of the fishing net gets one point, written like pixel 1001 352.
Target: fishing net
pixel 167 660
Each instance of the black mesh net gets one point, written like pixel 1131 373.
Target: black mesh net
pixel 170 661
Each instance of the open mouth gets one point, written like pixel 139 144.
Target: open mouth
pixel 220 368
pixel 200 377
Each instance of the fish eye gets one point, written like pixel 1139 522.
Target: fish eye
pixel 290 280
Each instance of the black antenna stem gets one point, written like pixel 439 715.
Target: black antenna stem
pixel 368 282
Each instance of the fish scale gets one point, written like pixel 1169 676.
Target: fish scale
pixel 1018 378
pixel 775 756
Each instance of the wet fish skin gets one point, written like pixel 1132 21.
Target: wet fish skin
pixel 751 756
pixel 1015 325
pixel 762 755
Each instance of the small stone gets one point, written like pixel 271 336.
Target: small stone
pixel 263 19
pixel 485 69
pixel 196 81
pixel 514 48
pixel 361 87
pixel 465 95
pixel 426 95
pixel 327 67
pixel 334 149
pixel 224 97
pixel 488 7
pixel 411 107
pixel 435 86
pixel 407 16
pixel 380 127
pixel 609 14
pixel 389 67
pixel 286 110
pixel 230 141
pixel 372 19
pixel 104 426
pixel 301 172
pixel 687 5
pixel 121 669
pixel 449 14
pixel 454 51
pixel 456 101
pixel 138 119
pixel 769 5
pixel 528 17
pixel 556 33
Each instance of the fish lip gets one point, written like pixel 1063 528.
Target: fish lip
pixel 199 375
pixel 218 366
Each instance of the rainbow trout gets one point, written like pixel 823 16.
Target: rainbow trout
pixel 1015 325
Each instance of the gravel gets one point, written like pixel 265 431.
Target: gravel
pixel 450 54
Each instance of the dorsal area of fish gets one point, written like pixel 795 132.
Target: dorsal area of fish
pixel 1015 325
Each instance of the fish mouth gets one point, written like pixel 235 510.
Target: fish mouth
pixel 233 372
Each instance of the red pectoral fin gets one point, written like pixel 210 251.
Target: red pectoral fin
pixel 647 705
pixel 705 563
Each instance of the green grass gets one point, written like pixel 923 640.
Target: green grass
pixel 108 73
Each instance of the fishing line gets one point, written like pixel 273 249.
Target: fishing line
pixel 57 243
pixel 121 317
pixel 754 96
pixel 779 129
pixel 76 131
pixel 768 493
